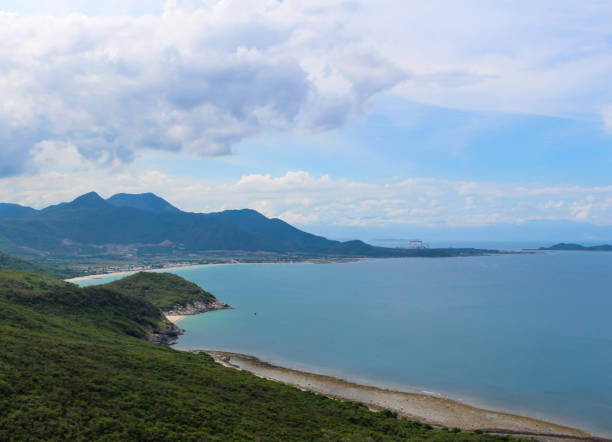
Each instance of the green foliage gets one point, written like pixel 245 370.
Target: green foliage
pixel 8 262
pixel 74 366
pixel 163 290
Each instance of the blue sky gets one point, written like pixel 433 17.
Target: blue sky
pixel 387 117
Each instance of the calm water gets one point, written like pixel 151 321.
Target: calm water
pixel 524 333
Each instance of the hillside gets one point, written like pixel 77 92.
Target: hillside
pixel 144 226
pixel 75 365
pixel 165 291
pixel 8 262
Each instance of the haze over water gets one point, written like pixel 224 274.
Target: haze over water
pixel 525 333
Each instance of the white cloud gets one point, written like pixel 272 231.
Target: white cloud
pixel 301 198
pixel 202 75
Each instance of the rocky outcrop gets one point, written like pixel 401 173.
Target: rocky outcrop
pixel 196 308
pixel 168 333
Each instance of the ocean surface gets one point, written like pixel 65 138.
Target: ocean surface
pixel 530 334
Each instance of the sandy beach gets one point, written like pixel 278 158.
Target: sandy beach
pixel 434 410
pixel 131 272
pixel 175 318
pixel 190 266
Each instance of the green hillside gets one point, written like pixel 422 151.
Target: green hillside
pixel 163 290
pixel 8 262
pixel 75 365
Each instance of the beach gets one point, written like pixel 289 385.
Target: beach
pixel 434 410
pixel 79 279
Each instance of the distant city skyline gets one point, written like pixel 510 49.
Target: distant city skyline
pixel 386 118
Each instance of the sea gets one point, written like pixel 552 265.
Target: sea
pixel 524 333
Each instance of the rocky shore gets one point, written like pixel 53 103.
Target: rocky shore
pixel 435 410
pixel 169 332
pixel 196 308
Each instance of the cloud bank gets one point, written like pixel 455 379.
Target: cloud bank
pixel 199 78
pixel 303 199
pixel 203 75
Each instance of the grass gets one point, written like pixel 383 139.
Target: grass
pixel 163 290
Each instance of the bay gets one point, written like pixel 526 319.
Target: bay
pixel 530 334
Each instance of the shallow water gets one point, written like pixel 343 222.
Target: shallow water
pixel 525 333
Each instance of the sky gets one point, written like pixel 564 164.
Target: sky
pixel 385 118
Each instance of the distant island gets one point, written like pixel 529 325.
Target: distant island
pixel 578 247
pixel 143 231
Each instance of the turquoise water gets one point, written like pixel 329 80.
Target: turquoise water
pixel 525 333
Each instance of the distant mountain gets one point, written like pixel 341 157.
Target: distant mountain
pixel 146 225
pixel 8 210
pixel 143 201
pixel 578 247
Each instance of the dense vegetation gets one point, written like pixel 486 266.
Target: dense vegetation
pixel 10 262
pixel 92 226
pixel 74 366
pixel 163 290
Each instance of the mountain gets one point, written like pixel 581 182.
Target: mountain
pixel 137 226
pixel 143 201
pixel 8 210
pixel 578 247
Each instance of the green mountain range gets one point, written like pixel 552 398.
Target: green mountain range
pixel 144 225
pixel 78 364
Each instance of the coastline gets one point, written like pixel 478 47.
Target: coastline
pixel 190 266
pixel 428 408
pixel 131 272
pixel 433 410
pixel 175 318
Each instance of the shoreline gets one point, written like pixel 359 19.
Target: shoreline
pixel 304 261
pixel 131 272
pixel 190 266
pixel 175 318
pixel 434 410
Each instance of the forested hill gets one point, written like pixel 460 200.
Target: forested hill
pixel 166 291
pixel 144 224
pixel 75 364
pixel 13 263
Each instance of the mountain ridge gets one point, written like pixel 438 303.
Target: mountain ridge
pixel 138 226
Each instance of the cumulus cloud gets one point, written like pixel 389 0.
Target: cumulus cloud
pixel 304 199
pixel 200 77
pixel 203 75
